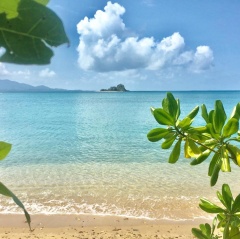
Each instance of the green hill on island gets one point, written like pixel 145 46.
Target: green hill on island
pixel 120 88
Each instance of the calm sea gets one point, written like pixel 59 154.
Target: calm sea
pixel 88 153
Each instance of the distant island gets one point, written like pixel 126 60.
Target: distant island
pixel 119 88
pixel 13 86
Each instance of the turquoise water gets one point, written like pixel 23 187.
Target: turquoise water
pixel 88 153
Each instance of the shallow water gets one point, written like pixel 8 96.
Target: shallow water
pixel 88 153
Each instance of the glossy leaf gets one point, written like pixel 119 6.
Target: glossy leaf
pixel 157 134
pixel 236 204
pixel 198 233
pixel 225 167
pixel 194 147
pixel 202 157
pixel 174 156
pixel 227 196
pixel 235 113
pixel 170 105
pixel 201 129
pixel 193 113
pixel 168 142
pixel 6 192
pixel 238 109
pixel 210 116
pixel 235 152
pixel 219 117
pixel 231 127
pixel 4 149
pixel 185 123
pixel 178 109
pixel 209 207
pixel 212 131
pixel 27 39
pixel 186 150
pixel 162 117
pixel 220 197
pixel 215 173
pixel 205 113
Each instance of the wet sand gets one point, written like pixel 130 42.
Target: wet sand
pixel 93 227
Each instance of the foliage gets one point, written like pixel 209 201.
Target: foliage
pixel 27 31
pixel 214 140
pixel 228 216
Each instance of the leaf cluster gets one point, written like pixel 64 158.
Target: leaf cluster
pixel 227 218
pixel 199 143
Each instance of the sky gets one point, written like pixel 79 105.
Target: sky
pixel 165 45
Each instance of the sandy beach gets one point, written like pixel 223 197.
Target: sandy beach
pixel 92 227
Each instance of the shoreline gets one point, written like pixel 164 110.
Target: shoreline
pixel 93 227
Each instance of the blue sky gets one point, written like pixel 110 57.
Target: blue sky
pixel 143 44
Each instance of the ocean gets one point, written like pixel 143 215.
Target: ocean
pixel 87 153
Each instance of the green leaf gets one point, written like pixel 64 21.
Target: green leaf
pixel 210 116
pixel 235 113
pixel 170 105
pixel 198 233
pixel 238 109
pixel 213 163
pixel 6 192
pixel 162 117
pixel 236 204
pixel 194 147
pixel 210 207
pixel 193 113
pixel 4 149
pixel 225 167
pixel 168 142
pixel 230 128
pixel 201 129
pixel 220 197
pixel 205 113
pixel 201 157
pixel 219 117
pixel 185 123
pixel 226 232
pixel 206 229
pixel 186 150
pixel 234 234
pixel 227 196
pixel 212 131
pixel 27 38
pixel 174 156
pixel 157 134
pixel 178 109
pixel 235 153
pixel 9 8
pixel 214 176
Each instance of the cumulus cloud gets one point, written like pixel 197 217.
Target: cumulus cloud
pixel 47 73
pixel 4 72
pixel 103 47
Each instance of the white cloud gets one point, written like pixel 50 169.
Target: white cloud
pixel 47 73
pixel 4 72
pixel 203 59
pixel 103 47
